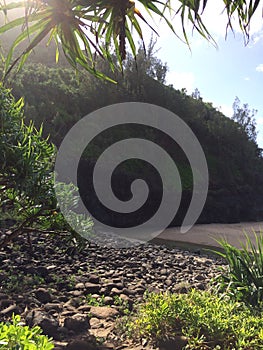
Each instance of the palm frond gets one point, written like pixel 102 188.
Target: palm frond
pixel 87 29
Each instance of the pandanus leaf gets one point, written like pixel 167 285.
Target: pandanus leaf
pixel 100 24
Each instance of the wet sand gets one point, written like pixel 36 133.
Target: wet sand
pixel 206 235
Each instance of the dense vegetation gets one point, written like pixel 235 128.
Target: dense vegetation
pixel 243 280
pixel 27 196
pixel 197 320
pixel 56 97
pixel 17 336
pixel 228 316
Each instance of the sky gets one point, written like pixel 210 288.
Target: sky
pixel 220 74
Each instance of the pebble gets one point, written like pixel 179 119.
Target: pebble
pixel 58 302
pixel 103 312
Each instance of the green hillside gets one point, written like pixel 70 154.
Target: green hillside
pixel 58 98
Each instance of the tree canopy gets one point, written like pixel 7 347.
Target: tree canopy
pixel 55 98
pixel 87 29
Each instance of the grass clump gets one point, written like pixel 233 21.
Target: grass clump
pixel 243 279
pixel 14 336
pixel 208 321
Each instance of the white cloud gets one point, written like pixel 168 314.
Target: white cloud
pixel 226 110
pixel 256 26
pixel 181 80
pixel 246 78
pixel 255 38
pixel 259 68
pixel 214 17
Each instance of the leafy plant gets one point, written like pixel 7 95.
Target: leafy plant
pixel 26 178
pixel 102 24
pixel 95 301
pixel 97 25
pixel 26 158
pixel 243 280
pixel 206 320
pixel 16 281
pixel 245 118
pixel 14 336
pixel 123 304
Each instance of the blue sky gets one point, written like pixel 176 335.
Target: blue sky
pixel 221 74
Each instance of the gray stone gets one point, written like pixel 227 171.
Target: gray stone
pixel 199 277
pixel 77 323
pixel 43 295
pixel 103 312
pixel 80 286
pixel 115 291
pixel 53 306
pixel 12 309
pixel 92 288
pixel 48 323
pixel 81 345
pixel 94 279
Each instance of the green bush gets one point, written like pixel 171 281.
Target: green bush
pixel 206 320
pixel 243 280
pixel 14 336
pixel 26 177
pixel 26 191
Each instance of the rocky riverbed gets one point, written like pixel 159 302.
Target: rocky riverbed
pixel 76 297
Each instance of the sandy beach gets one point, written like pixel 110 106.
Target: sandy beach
pixel 206 235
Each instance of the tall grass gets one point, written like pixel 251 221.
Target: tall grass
pixel 243 280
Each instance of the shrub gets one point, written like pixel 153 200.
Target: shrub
pixel 243 279
pixel 206 320
pixel 14 336
pixel 26 176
